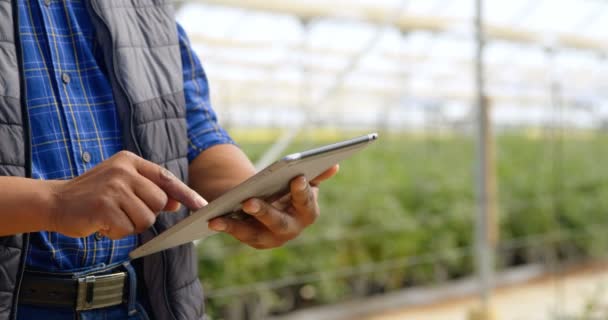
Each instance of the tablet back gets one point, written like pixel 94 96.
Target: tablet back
pixel 272 180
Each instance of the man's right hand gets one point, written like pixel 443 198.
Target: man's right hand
pixel 121 196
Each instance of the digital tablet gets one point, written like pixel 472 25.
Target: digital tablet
pixel 271 181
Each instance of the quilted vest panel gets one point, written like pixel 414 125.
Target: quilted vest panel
pixel 12 152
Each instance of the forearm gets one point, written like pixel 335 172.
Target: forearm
pixel 24 205
pixel 219 169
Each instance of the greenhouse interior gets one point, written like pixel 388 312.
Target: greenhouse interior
pixel 481 198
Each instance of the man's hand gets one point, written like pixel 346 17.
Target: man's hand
pixel 121 196
pixel 280 221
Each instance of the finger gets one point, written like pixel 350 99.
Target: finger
pixel 304 201
pixel 138 213
pixel 119 226
pixel 174 188
pixel 281 196
pixel 172 206
pixel 325 175
pixel 278 222
pixel 152 195
pixel 250 232
pixel 283 203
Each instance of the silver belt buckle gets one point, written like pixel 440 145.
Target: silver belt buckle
pixel 96 292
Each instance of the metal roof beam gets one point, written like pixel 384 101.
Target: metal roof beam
pixel 254 92
pixel 340 9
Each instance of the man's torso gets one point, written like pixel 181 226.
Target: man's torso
pixel 73 120
pixel 166 119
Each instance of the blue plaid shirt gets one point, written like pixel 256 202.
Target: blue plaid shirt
pixel 74 122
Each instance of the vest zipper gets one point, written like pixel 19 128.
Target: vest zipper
pixel 28 151
pixel 117 80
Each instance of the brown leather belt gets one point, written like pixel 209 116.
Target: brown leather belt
pixel 86 293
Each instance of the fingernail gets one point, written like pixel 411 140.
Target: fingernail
pixel 302 184
pixel 218 225
pixel 166 174
pixel 253 207
pixel 200 201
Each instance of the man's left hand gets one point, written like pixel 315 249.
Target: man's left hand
pixel 275 223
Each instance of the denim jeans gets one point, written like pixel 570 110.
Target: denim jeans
pixel 118 312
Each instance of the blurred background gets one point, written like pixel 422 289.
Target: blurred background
pixel 486 196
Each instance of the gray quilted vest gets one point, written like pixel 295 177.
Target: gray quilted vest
pixel 141 49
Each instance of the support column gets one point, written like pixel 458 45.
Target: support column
pixel 486 223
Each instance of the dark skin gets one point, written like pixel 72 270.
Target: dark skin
pixel 278 221
pixel 273 223
pixel 124 194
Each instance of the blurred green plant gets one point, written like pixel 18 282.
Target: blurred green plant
pixel 409 196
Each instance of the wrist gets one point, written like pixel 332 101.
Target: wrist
pixel 50 204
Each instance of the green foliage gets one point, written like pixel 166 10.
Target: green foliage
pixel 407 197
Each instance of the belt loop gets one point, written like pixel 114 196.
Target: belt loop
pixel 131 303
